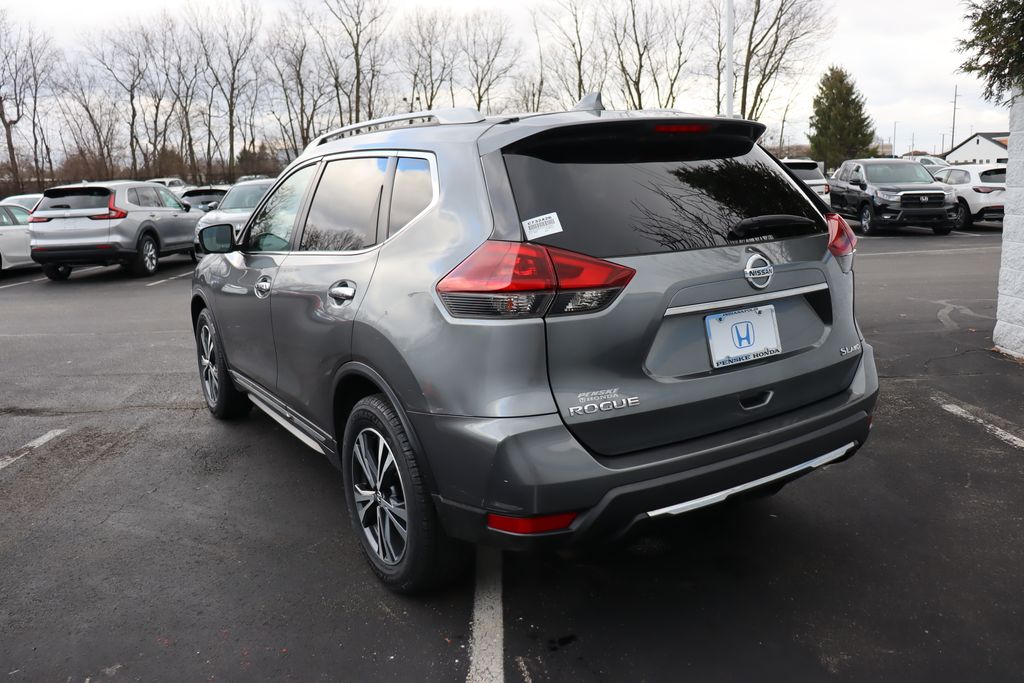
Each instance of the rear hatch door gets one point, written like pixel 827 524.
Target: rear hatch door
pixel 701 339
pixel 70 216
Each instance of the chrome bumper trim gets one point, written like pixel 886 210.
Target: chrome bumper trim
pixel 744 300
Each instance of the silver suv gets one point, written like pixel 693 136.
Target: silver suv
pixel 125 222
pixel 538 330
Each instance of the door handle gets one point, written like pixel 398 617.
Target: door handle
pixel 342 292
pixel 263 287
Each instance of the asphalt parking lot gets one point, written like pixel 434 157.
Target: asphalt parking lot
pixel 142 540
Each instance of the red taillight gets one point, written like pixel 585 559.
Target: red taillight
pixel 112 213
pixel 682 128
pixel 531 525
pixel 841 239
pixel 985 190
pixel 827 189
pixel 37 219
pixel 521 280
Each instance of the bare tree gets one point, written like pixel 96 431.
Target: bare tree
pixel 678 39
pixel 90 118
pixel 363 24
pixel 427 55
pixel 16 44
pixel 577 53
pixel 228 41
pixel 529 90
pixel 488 54
pixel 123 56
pixel 186 74
pixel 774 38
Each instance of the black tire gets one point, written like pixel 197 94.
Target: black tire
pixel 963 220
pixel 147 257
pixel 866 216
pixel 193 255
pixel 57 271
pixel 428 558
pixel 223 398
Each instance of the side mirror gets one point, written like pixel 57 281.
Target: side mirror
pixel 187 204
pixel 217 239
pixel 211 206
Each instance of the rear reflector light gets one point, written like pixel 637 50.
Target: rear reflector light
pixel 522 280
pixel 530 525
pixel 112 213
pixel 842 241
pixel 37 219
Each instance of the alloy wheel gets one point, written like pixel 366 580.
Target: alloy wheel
pixel 149 255
pixel 208 364
pixel 865 219
pixel 380 496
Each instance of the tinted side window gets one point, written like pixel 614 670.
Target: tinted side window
pixel 996 175
pixel 133 197
pixel 5 218
pixel 844 172
pixel 148 197
pixel 343 213
pixel 272 228
pixel 412 193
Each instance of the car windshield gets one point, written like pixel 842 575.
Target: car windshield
pixel 896 172
pixel 806 171
pixel 204 196
pixel 244 197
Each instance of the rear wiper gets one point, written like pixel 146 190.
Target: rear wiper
pixel 759 224
pixel 61 206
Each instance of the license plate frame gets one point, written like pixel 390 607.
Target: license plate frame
pixel 742 336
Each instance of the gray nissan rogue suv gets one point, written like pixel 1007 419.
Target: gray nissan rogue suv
pixel 539 330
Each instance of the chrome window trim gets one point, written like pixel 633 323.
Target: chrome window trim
pixel 380 154
pixel 744 300
pixel 720 496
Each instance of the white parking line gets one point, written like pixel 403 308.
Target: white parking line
pixel 861 254
pixel 150 284
pixel 965 234
pixel 15 284
pixel 486 635
pixel 34 443
pixel 962 412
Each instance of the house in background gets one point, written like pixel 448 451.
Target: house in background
pixel 981 148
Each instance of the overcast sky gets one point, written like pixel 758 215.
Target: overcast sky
pixel 902 54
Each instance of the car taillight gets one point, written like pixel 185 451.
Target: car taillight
pixel 985 190
pixel 522 280
pixel 827 189
pixel 37 219
pixel 112 213
pixel 842 242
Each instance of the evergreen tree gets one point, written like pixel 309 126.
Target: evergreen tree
pixel 996 47
pixel 841 129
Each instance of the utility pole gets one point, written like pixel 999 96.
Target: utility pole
pixel 729 18
pixel 942 150
pixel 894 139
pixel 952 135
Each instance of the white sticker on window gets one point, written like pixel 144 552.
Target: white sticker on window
pixel 548 224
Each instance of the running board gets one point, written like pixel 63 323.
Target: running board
pixel 295 431
pixel 713 498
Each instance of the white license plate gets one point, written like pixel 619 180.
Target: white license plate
pixel 742 336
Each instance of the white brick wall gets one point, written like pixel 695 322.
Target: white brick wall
pixel 1009 333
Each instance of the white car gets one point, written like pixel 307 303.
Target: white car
pixel 980 191
pixel 932 164
pixel 175 185
pixel 14 237
pixel 809 172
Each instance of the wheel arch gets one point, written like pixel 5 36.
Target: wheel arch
pixel 356 380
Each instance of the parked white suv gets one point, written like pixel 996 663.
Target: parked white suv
pixel 808 171
pixel 980 191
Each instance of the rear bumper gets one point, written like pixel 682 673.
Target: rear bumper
pixel 990 213
pixel 533 466
pixel 100 254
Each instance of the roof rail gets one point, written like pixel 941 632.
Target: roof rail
pixel 420 118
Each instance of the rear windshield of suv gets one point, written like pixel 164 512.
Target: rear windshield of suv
pixel 996 175
pixel 629 197
pixel 74 198
pixel 806 171
pixel 244 197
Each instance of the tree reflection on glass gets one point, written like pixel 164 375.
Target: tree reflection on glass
pixel 701 202
pixel 272 228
